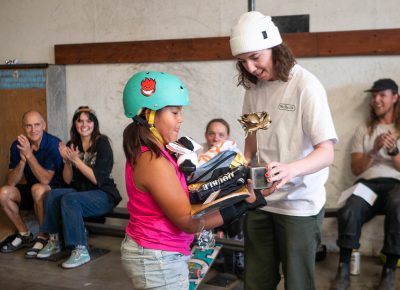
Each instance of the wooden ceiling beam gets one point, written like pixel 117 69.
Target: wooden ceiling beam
pixel 312 44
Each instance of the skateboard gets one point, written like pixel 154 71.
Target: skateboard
pixel 200 262
pixel 210 205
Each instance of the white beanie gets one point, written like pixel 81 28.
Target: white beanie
pixel 253 31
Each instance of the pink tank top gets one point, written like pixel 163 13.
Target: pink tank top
pixel 148 225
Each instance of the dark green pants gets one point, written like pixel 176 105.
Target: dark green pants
pixel 274 239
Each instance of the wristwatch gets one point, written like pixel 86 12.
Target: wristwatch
pixel 393 152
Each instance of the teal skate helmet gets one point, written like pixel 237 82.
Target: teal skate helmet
pixel 154 91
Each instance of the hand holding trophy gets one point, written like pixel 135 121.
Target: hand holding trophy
pixel 251 123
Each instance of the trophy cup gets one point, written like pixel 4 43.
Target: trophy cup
pixel 251 123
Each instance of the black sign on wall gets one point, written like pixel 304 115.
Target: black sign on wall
pixel 292 23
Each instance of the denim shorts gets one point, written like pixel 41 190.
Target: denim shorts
pixel 154 269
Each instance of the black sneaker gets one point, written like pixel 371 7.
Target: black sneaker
pixel 342 279
pixel 388 279
pixel 25 242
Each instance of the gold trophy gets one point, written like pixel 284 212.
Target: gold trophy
pixel 251 123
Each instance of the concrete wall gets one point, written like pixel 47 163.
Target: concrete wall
pixel 29 29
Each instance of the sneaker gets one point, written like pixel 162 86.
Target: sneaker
pixel 79 256
pixel 388 279
pixel 239 265
pixel 342 279
pixel 19 242
pixel 52 247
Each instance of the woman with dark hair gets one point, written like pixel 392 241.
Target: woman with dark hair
pixel 88 162
pixel 296 150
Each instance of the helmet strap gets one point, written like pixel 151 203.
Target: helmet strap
pixel 140 121
pixel 153 129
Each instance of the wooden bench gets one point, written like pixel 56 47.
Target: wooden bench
pixel 122 213
pixel 108 229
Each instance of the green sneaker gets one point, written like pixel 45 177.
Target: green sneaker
pixel 79 256
pixel 52 247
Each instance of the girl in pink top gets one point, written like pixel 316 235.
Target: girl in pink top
pixel 156 248
pixel 149 226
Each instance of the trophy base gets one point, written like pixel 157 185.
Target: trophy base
pixel 257 175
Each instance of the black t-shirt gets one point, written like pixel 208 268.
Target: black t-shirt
pixel 101 160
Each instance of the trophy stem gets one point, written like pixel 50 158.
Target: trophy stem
pixel 258 151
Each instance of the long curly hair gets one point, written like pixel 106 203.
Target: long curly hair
pixel 373 119
pixel 283 61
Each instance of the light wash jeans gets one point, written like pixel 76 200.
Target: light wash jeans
pixel 65 209
pixel 154 269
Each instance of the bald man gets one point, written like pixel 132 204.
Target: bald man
pixel 35 156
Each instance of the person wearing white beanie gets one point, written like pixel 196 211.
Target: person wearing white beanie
pixel 254 31
pixel 296 151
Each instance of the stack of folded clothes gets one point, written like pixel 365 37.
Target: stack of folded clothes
pixel 220 171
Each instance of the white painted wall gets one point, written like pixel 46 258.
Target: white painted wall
pixel 29 29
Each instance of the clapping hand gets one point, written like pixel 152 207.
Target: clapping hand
pixel 389 140
pixel 68 153
pixel 24 147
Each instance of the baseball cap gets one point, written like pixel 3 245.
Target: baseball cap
pixel 383 84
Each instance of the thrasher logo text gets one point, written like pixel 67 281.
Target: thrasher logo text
pixel 220 180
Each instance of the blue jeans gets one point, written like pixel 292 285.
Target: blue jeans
pixel 154 269
pixel 65 209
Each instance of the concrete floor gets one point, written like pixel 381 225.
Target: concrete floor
pixel 325 272
pixel 106 272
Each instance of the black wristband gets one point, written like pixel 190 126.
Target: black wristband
pixel 393 152
pixel 260 200
pixel 231 213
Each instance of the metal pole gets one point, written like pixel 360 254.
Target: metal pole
pixel 251 5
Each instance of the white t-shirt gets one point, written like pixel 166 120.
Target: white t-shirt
pixel 382 165
pixel 301 118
